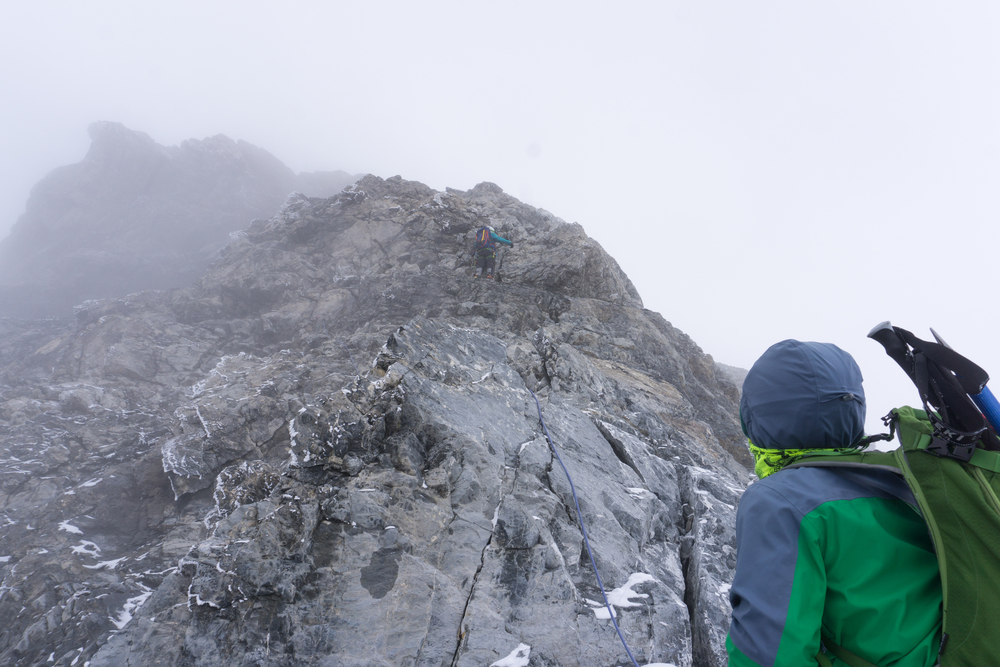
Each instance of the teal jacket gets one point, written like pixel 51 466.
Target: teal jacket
pixel 842 550
pixel 499 239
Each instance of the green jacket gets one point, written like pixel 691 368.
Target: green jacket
pixel 839 549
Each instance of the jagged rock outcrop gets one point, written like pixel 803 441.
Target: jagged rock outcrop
pixel 134 215
pixel 327 452
pixel 737 375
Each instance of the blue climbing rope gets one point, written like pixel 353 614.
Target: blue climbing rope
pixel 586 541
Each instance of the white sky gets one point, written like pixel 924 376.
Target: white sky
pixel 761 170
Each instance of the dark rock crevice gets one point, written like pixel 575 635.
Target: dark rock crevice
pixel 461 631
pixel 687 529
pixel 619 449
pixel 708 547
pixel 461 638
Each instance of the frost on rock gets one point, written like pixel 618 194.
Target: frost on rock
pixel 70 528
pixel 107 564
pixel 86 548
pixel 519 657
pixel 622 596
pixel 175 458
pixel 131 605
pixel 292 208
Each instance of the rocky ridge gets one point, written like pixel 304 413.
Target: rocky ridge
pixel 135 215
pixel 327 452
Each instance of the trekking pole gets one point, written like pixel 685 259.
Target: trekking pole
pixel 971 383
pixel 984 400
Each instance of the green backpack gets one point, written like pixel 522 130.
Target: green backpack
pixel 960 501
pixel 949 455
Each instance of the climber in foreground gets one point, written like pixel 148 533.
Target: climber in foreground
pixel 484 253
pixel 827 557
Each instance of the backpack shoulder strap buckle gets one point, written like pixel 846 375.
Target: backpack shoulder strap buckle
pixel 943 449
pixel 950 442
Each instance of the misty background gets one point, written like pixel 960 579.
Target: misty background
pixel 761 171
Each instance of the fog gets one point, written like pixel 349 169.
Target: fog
pixel 761 171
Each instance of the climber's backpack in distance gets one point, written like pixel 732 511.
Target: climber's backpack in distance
pixel 484 240
pixel 960 501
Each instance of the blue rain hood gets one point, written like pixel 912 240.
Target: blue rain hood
pixel 803 395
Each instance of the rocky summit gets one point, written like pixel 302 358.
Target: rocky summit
pixel 134 215
pixel 327 452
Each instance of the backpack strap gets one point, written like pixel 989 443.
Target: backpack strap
pixel 866 460
pixel 844 655
pixel 484 238
pixel 979 458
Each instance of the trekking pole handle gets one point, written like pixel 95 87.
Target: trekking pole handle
pixel 984 400
pixel 895 347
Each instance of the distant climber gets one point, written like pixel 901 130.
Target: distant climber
pixel 484 253
pixel 829 560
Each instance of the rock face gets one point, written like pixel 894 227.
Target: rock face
pixel 737 375
pixel 134 215
pixel 327 452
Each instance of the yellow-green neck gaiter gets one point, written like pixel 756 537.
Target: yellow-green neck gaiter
pixel 769 461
